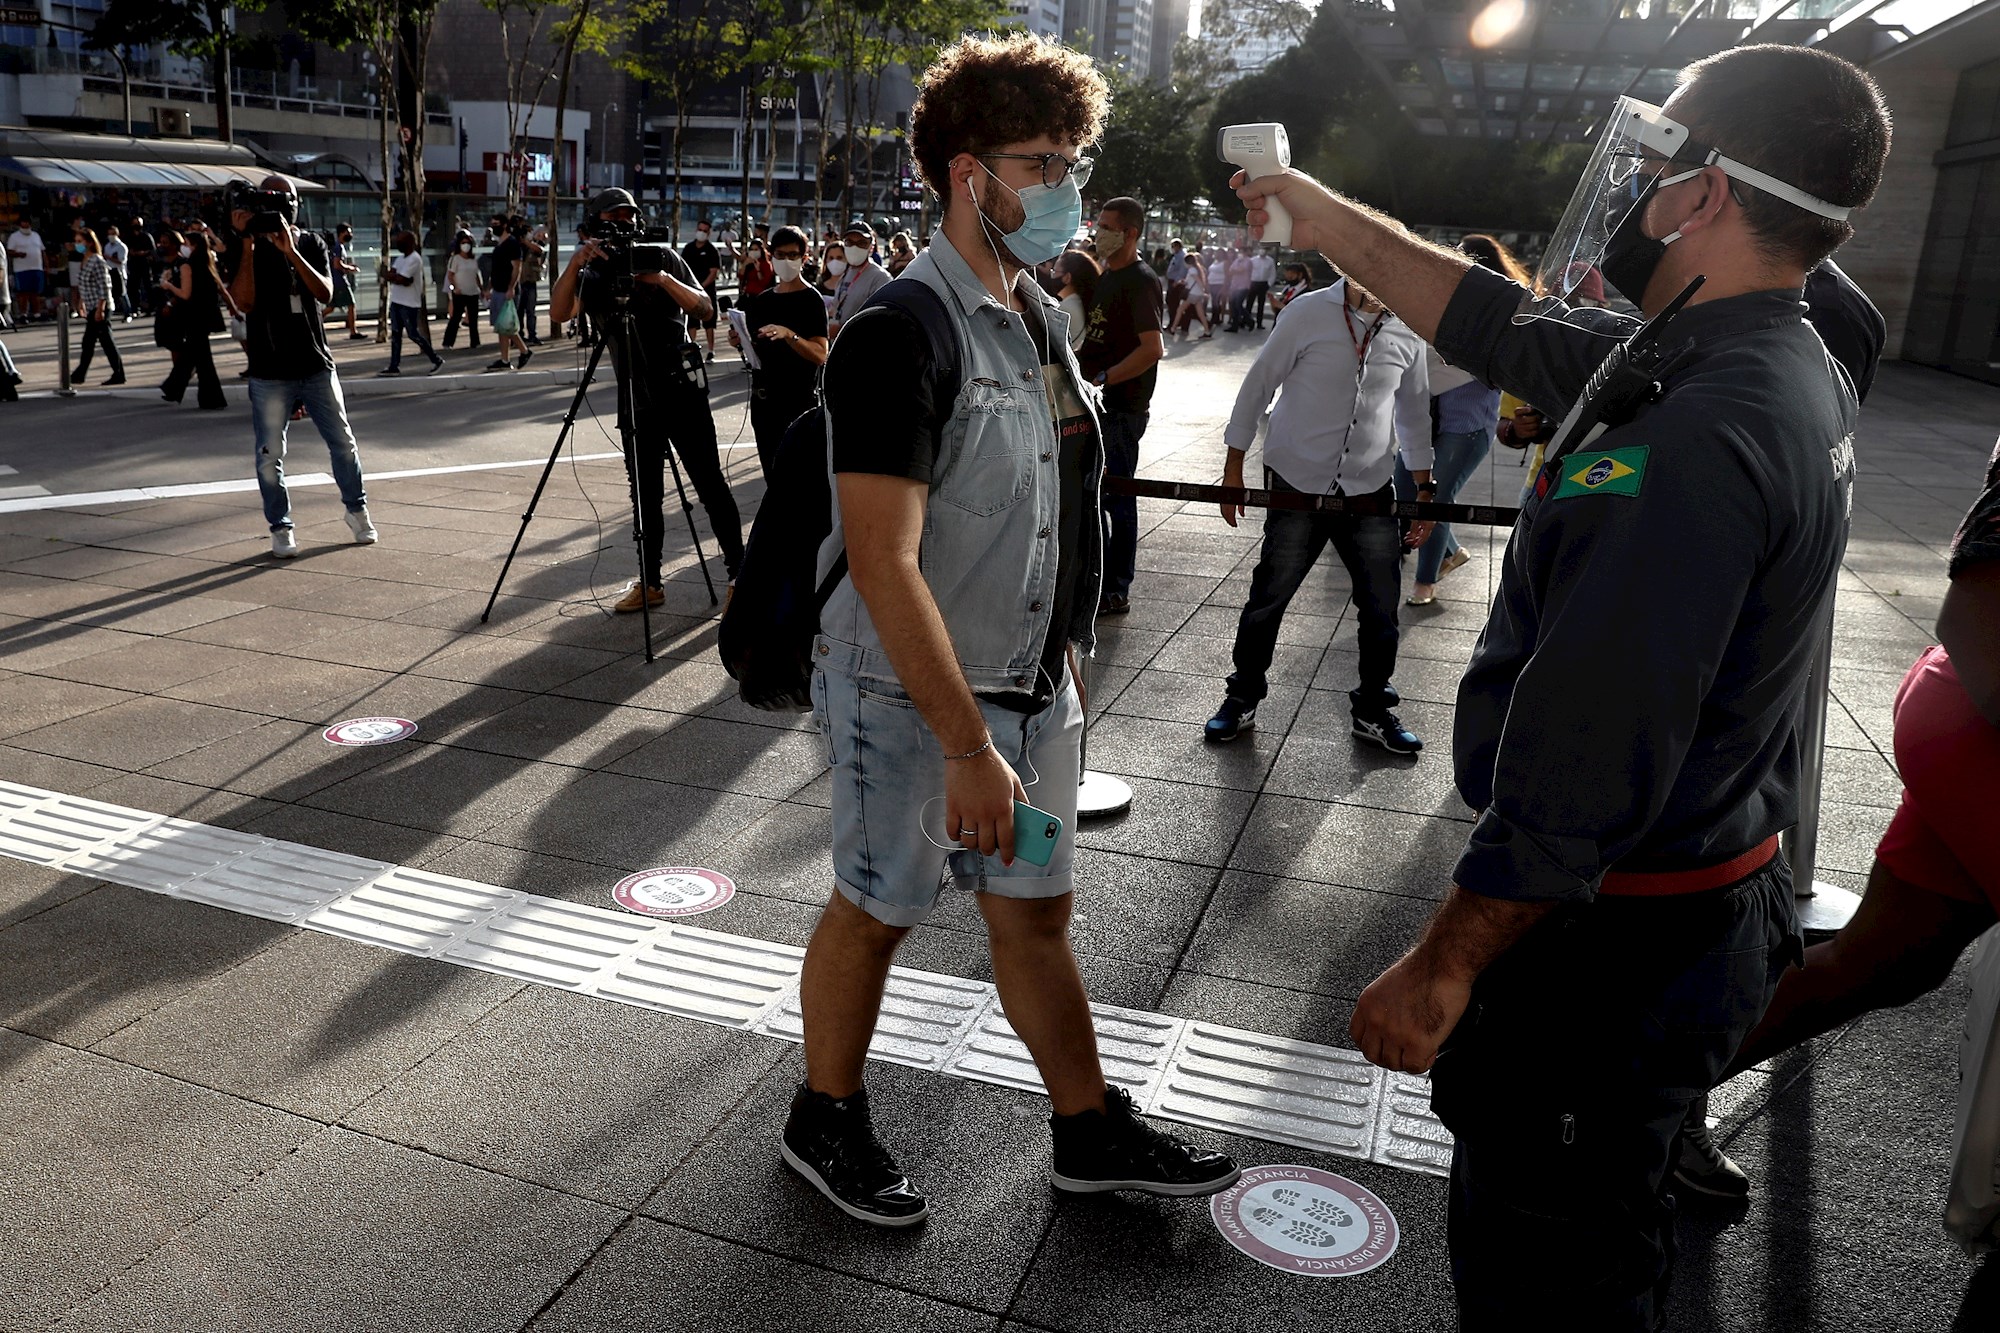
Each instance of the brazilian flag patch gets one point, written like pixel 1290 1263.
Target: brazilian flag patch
pixel 1618 472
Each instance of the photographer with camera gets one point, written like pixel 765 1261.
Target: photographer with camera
pixel 280 278
pixel 669 400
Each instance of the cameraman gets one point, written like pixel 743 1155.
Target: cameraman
pixel 669 408
pixel 280 278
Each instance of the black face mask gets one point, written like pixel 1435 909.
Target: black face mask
pixel 1631 256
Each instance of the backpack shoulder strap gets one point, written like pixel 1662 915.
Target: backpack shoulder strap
pixel 921 303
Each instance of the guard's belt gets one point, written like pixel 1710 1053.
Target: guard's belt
pixel 1641 884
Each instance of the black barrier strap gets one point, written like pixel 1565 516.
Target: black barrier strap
pixel 1368 505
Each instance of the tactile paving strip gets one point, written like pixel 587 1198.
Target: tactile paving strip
pixel 1293 1092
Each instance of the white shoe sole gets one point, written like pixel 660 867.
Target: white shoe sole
pixel 1695 1183
pixel 812 1177
pixel 1196 1191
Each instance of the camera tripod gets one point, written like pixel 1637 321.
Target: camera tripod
pixel 620 326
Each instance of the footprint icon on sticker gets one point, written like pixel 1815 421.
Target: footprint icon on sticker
pixel 1326 1210
pixel 1307 1234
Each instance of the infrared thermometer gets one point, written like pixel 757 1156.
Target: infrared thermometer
pixel 1261 150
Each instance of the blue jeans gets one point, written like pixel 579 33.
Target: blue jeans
pixel 1122 433
pixel 408 320
pixel 271 404
pixel 1457 457
pixel 1372 550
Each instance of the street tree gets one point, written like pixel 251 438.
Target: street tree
pixel 530 61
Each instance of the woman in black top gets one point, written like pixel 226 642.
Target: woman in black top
pixel 788 325
pixel 194 289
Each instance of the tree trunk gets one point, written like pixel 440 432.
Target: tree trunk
pixel 385 90
pixel 771 156
pixel 819 163
pixel 225 110
pixel 414 40
pixel 680 136
pixel 553 262
pixel 749 137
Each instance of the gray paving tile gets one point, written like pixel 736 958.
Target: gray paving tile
pixel 1301 1015
pixel 272 628
pixel 443 709
pixel 154 664
pixel 382 1237
pixel 284 687
pixel 1353 845
pixel 670 684
pixel 137 732
pixel 596 1099
pixel 104 1162
pixel 27 890
pixel 1341 768
pixel 1179 752
pixel 617 820
pixel 1118 645
pixel 79 972
pixel 71 776
pixel 1417 678
pixel 161 613
pixel 183 800
pixel 29 703
pixel 1118 1260
pixel 1173 821
pixel 445 789
pixel 981 1154
pixel 654 1278
pixel 38 645
pixel 314 1025
pixel 398 844
pixel 1318 937
pixel 787 853
pixel 1211 658
pixel 729 756
pixel 577 732
pixel 520 664
pixel 279 760
pixel 1298 628
pixel 1169 696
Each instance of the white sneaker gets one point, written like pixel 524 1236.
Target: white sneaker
pixel 361 526
pixel 284 543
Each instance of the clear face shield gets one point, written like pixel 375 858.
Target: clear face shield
pixel 1640 151
pixel 1635 146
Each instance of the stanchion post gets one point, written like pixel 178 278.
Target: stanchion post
pixel 63 386
pixel 1823 908
pixel 1099 795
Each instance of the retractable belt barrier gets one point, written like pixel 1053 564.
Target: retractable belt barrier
pixel 1250 497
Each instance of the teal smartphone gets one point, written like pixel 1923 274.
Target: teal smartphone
pixel 1036 833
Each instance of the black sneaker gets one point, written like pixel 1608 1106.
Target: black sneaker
pixel 522 364
pixel 1386 730
pixel 1703 1167
pixel 1114 605
pixel 833 1145
pixel 1230 721
pixel 1113 1149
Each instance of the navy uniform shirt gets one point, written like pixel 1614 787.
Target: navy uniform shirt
pixel 1847 322
pixel 1634 697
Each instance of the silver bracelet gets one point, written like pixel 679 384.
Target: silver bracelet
pixel 973 754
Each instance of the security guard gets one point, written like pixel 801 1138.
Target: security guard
pixel 1627 727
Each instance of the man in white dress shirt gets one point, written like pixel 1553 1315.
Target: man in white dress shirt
pixel 1355 389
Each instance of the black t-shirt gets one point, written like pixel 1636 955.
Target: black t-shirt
pixel 506 258
pixel 1126 308
pixel 878 395
pixel 285 338
pixel 1978 539
pixel 786 374
pixel 702 258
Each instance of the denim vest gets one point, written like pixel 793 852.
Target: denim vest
pixel 989 550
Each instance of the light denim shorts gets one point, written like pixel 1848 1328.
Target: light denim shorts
pixel 887 765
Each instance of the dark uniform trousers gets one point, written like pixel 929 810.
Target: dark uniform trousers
pixel 1372 550
pixel 675 415
pixel 1565 1085
pixel 772 411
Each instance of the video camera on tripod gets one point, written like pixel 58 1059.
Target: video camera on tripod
pixel 629 250
pixel 269 210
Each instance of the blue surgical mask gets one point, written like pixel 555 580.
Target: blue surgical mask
pixel 1051 216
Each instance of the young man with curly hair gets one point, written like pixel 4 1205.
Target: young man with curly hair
pixel 945 664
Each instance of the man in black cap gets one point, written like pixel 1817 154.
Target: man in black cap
pixel 860 275
pixel 668 408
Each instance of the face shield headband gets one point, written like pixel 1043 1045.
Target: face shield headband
pixel 1639 151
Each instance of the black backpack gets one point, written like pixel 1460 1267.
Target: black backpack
pixel 767 629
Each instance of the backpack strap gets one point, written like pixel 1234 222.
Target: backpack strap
pixel 946 374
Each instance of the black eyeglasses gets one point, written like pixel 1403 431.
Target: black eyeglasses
pixel 1053 175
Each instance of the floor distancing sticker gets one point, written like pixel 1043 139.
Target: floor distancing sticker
pixel 1306 1221
pixel 1293 1092
pixel 674 891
